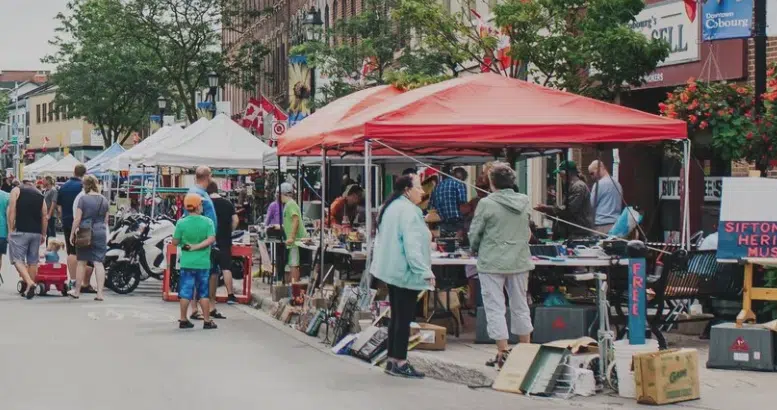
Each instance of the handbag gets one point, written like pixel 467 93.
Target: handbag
pixel 84 235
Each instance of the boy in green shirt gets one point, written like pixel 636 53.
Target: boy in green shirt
pixel 194 234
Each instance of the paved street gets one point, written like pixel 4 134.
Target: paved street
pixel 126 353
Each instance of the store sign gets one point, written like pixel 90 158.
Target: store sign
pixel 670 22
pixel 771 18
pixel 725 19
pixel 748 223
pixel 669 188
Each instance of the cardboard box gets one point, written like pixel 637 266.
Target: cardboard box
pixel 669 376
pixel 280 292
pixel 433 337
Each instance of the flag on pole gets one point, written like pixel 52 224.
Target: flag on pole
pixel 252 112
pixel 502 50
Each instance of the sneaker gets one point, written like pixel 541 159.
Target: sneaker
pixel 209 325
pixel 231 299
pixel 389 367
pixel 502 359
pixel 407 371
pixel 185 324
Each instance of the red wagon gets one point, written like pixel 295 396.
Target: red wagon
pixel 49 274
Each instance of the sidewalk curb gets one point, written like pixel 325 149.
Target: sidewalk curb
pixel 428 363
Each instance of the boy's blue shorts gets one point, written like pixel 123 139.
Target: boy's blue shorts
pixel 191 280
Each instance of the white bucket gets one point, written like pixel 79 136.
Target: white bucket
pixel 624 354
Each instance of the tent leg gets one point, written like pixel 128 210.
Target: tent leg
pixel 364 284
pixel 321 239
pixel 153 192
pixel 686 234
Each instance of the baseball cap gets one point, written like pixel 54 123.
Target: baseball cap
pixel 286 188
pixel 192 202
pixel 566 166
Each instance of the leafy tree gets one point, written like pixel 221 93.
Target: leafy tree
pixel 4 101
pixel 185 41
pixel 100 76
pixel 363 49
pixel 581 46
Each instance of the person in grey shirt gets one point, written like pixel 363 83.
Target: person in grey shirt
pixel 50 196
pixel 606 197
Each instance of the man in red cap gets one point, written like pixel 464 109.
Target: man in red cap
pixel 194 234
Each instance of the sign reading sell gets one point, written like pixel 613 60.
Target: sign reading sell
pixel 670 22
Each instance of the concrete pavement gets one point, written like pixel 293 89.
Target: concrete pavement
pixel 127 353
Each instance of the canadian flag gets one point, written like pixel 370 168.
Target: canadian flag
pixel 502 50
pixel 45 141
pixel 257 109
pixel 252 113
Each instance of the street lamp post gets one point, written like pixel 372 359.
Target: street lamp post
pixel 213 83
pixel 162 102
pixel 312 22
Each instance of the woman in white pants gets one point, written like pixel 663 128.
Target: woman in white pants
pixel 500 235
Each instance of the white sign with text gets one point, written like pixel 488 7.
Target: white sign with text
pixel 669 188
pixel 670 22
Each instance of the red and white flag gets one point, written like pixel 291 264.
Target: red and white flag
pixel 45 141
pixel 252 113
pixel 4 148
pixel 502 51
pixel 270 108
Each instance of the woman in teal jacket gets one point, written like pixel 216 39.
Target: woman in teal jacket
pixel 403 260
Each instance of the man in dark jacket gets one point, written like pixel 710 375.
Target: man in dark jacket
pixel 577 207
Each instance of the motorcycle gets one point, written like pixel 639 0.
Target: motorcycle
pixel 137 252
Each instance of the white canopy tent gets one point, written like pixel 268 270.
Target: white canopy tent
pixel 62 168
pixel 222 143
pixel 43 162
pixel 166 144
pixel 125 161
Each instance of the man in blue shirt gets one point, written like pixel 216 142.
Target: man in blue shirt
pixel 606 197
pixel 65 200
pixel 447 199
pixel 202 179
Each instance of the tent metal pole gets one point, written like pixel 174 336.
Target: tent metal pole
pixel 321 241
pixel 368 203
pixel 686 235
pixel 153 191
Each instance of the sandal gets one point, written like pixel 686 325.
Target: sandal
pixel 72 295
pixel 214 314
pixel 196 316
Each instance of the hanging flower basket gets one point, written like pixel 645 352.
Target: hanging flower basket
pixel 719 109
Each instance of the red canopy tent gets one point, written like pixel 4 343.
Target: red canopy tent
pixel 485 112
pixel 312 131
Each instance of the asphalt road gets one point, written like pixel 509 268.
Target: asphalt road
pixel 127 353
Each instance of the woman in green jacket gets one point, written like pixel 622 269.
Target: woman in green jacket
pixel 500 235
pixel 403 261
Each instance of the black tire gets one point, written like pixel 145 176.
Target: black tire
pixel 123 278
pixel 21 287
pixel 108 263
